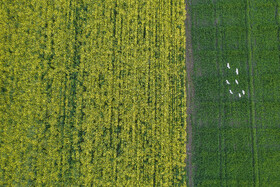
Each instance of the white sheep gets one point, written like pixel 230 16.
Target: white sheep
pixel 239 94
pixel 228 66
pixel 236 71
pixel 230 92
pixel 243 92
pixel 227 82
pixel 236 81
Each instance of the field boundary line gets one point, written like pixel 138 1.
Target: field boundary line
pixel 190 93
pixel 251 95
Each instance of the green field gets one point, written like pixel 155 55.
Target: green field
pixel 235 140
pixel 92 93
pixel 99 93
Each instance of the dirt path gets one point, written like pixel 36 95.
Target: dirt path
pixel 190 93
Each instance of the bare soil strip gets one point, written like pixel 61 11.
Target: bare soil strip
pixel 190 93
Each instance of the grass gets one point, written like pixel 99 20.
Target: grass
pixel 232 143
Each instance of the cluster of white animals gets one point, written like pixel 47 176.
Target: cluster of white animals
pixel 236 81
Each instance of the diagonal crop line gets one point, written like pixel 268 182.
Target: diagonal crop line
pixel 251 90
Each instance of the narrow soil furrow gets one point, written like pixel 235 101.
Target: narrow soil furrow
pixel 190 93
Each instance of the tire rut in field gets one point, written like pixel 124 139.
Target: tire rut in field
pixel 221 109
pixel 277 23
pixel 252 98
